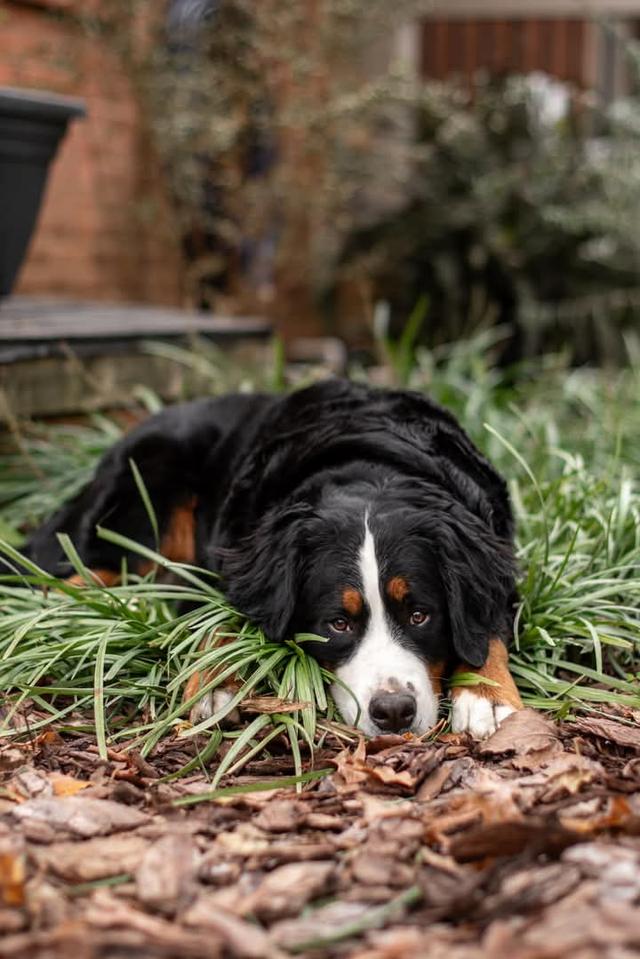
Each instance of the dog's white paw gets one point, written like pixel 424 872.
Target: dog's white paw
pixel 476 715
pixel 211 703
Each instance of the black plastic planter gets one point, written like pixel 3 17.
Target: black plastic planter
pixel 31 127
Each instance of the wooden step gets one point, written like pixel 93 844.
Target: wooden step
pixel 64 357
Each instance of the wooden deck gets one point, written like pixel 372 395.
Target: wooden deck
pixel 59 358
pixel 31 328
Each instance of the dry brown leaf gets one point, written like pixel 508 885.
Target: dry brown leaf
pixel 294 934
pixel 388 776
pixel 400 942
pixel 387 741
pixel 609 730
pixel 510 839
pixel 523 732
pixel 29 783
pixel 244 840
pixel 106 912
pixel 354 770
pixel 13 874
pixel 450 773
pixel 271 704
pixel 80 816
pixel 243 938
pixel 11 759
pixel 94 858
pixel 372 869
pixel 281 815
pixel 165 877
pixel 617 869
pixel 349 767
pixel 286 890
pixel 617 814
pixel 566 775
pixel 67 785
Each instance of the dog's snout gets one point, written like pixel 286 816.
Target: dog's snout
pixel 392 712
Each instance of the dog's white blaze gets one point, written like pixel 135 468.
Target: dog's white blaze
pixel 380 662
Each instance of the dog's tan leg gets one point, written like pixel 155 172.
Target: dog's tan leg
pixel 480 709
pixel 217 698
pixel 101 577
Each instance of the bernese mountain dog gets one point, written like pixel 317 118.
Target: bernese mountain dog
pixel 364 516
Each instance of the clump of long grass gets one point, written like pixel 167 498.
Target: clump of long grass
pixel 44 465
pixel 117 659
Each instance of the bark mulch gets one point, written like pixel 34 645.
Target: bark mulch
pixel 524 846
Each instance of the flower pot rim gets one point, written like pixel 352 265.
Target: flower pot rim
pixel 40 104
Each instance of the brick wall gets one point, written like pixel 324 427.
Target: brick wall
pixel 105 230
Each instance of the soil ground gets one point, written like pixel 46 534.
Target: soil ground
pixel 524 846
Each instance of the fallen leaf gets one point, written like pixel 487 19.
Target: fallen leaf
pixel 354 770
pixel 13 874
pixel 372 869
pixel 609 730
pixel 617 814
pixel 271 704
pixel 92 859
pixel 281 815
pixel 523 732
pixel 67 785
pixel 510 839
pixel 452 772
pixel 81 816
pixel 106 912
pixel 29 783
pixel 385 741
pixel 616 869
pixel 529 889
pixel 164 878
pixel 388 776
pixel 286 890
pixel 243 938
pixel 566 775
pixel 11 759
pixel 294 934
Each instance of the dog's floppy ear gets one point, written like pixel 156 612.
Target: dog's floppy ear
pixel 478 573
pixel 261 576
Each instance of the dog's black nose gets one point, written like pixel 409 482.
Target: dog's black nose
pixel 393 712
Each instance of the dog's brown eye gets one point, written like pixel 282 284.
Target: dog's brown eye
pixel 340 625
pixel 419 618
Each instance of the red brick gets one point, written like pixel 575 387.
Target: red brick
pixel 89 239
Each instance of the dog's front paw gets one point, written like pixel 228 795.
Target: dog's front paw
pixel 475 714
pixel 210 704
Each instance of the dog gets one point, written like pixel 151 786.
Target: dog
pixel 366 517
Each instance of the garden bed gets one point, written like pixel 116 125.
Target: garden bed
pixel 524 845
pixel 124 831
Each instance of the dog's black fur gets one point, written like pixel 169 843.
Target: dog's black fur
pixel 281 486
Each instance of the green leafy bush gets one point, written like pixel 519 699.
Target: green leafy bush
pixel 518 212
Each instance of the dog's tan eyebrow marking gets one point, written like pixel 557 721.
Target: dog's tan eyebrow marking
pixel 352 601
pixel 397 588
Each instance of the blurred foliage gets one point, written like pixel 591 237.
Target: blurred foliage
pixel 516 216
pixel 306 159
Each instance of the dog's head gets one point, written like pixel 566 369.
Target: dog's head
pixel 401 584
